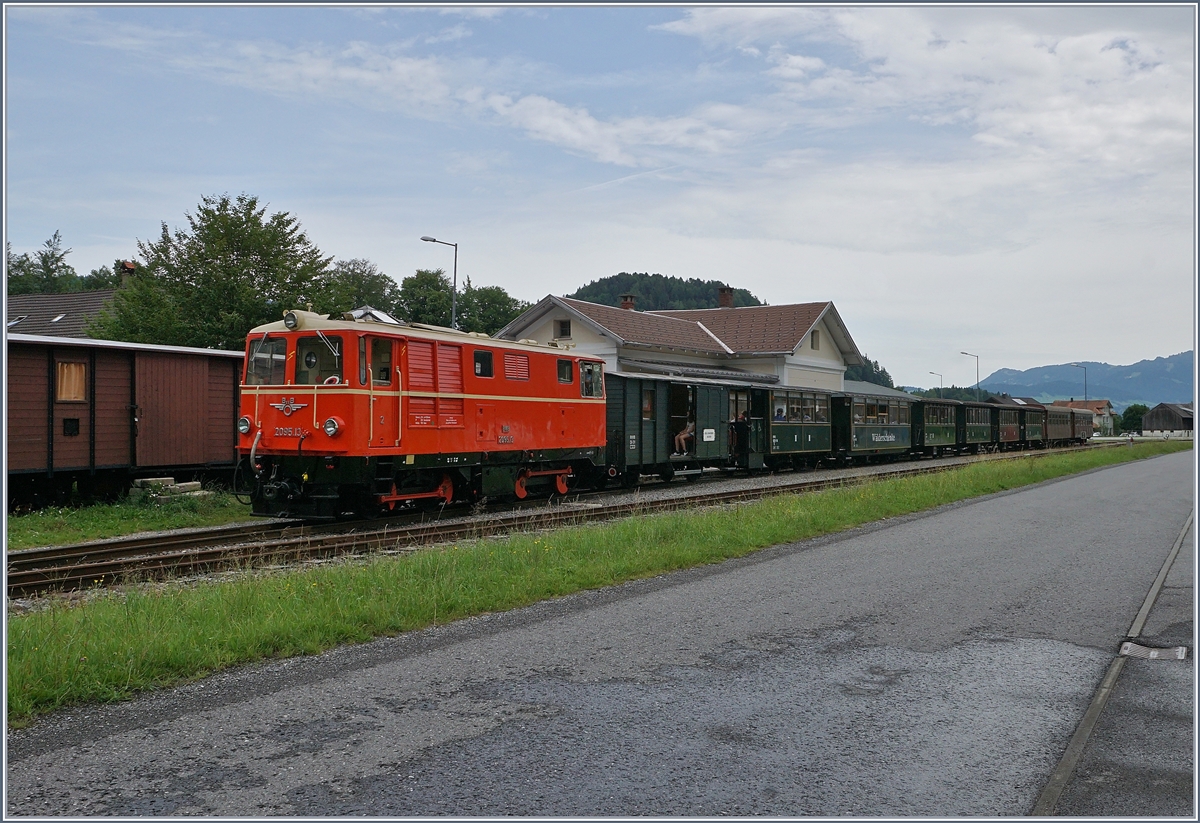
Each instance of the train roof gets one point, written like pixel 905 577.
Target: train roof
pixel 858 387
pixel 119 345
pixel 368 319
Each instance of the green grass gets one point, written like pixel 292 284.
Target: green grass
pixel 117 644
pixel 58 526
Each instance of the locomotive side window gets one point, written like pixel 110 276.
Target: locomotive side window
pixel 566 371
pixel 265 366
pixel 319 359
pixel 591 382
pixel 362 361
pixel 381 361
pixel 69 385
pixel 483 363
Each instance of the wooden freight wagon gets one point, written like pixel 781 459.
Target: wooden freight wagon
pixel 99 413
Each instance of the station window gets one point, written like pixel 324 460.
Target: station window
pixel 816 339
pixel 591 379
pixel 566 371
pixel 70 386
pixel 265 366
pixel 319 360
pixel 564 328
pixel 483 363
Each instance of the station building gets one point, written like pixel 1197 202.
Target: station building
pixel 805 345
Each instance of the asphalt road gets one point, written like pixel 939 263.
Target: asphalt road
pixel 927 665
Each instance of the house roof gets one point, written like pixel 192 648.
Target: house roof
pixel 59 315
pixel 749 330
pixel 777 329
pixel 1094 406
pixel 1182 409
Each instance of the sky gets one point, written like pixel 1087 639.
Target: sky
pixel 1015 182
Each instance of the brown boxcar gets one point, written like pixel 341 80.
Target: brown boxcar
pixel 98 413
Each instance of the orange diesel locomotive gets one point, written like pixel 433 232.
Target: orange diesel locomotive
pixel 362 413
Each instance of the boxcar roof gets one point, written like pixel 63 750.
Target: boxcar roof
pixel 89 343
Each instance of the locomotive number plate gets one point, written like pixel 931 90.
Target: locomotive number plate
pixel 506 438
pixel 288 431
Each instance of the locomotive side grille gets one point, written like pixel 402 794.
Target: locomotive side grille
pixel 450 381
pixel 516 366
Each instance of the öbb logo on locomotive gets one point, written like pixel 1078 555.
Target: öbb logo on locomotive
pixel 406 415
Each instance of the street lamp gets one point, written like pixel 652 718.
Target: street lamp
pixel 454 288
pixel 1076 365
pixel 939 377
pixel 968 354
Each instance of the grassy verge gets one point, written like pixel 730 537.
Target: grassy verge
pixel 115 645
pixel 57 526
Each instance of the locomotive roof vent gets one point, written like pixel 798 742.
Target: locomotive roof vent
pixel 374 314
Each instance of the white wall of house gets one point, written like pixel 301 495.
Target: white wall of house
pixel 584 339
pixel 821 368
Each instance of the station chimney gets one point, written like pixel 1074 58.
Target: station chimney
pixel 627 301
pixel 725 297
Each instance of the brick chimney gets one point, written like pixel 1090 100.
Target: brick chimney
pixel 627 301
pixel 725 297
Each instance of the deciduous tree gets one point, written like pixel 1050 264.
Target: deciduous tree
pixel 233 268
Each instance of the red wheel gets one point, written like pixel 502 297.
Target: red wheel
pixel 560 483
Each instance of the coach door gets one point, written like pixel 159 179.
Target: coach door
pixel 386 403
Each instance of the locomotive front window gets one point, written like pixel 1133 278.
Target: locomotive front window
pixel 591 381
pixel 566 371
pixel 265 366
pixel 318 360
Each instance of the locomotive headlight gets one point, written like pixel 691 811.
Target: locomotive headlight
pixel 333 426
pixel 243 425
pixel 291 320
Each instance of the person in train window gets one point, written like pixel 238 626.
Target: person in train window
pixel 779 415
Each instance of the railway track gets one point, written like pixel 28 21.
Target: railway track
pixel 103 563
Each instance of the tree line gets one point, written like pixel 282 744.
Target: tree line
pixel 235 267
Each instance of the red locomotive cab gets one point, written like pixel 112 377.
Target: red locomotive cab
pixel 360 413
pixel 296 395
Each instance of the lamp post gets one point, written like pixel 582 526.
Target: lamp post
pixel 454 287
pixel 968 354
pixel 1076 365
pixel 939 377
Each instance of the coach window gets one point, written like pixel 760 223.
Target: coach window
pixel 795 414
pixel 381 361
pixel 821 408
pixel 860 410
pixel 566 371
pixel 591 381
pixel 808 407
pixel 483 363
pixel 319 360
pixel 265 367
pixel 903 419
pixel 648 404
pixel 893 413
pixel 70 385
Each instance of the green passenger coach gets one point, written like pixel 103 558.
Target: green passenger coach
pixel 871 421
pixel 934 429
pixel 800 430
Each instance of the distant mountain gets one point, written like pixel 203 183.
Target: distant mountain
pixel 1161 380
pixel 654 292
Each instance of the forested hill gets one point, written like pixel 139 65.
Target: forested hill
pixel 1161 380
pixel 654 292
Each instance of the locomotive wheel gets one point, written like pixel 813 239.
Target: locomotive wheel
pixel 560 483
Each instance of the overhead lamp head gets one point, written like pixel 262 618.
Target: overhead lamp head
pixel 429 239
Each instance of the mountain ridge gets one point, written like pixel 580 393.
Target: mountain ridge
pixel 1160 380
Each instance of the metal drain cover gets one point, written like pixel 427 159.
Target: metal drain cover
pixel 1146 653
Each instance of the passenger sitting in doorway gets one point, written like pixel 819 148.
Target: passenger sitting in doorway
pixel 681 439
pixel 779 416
